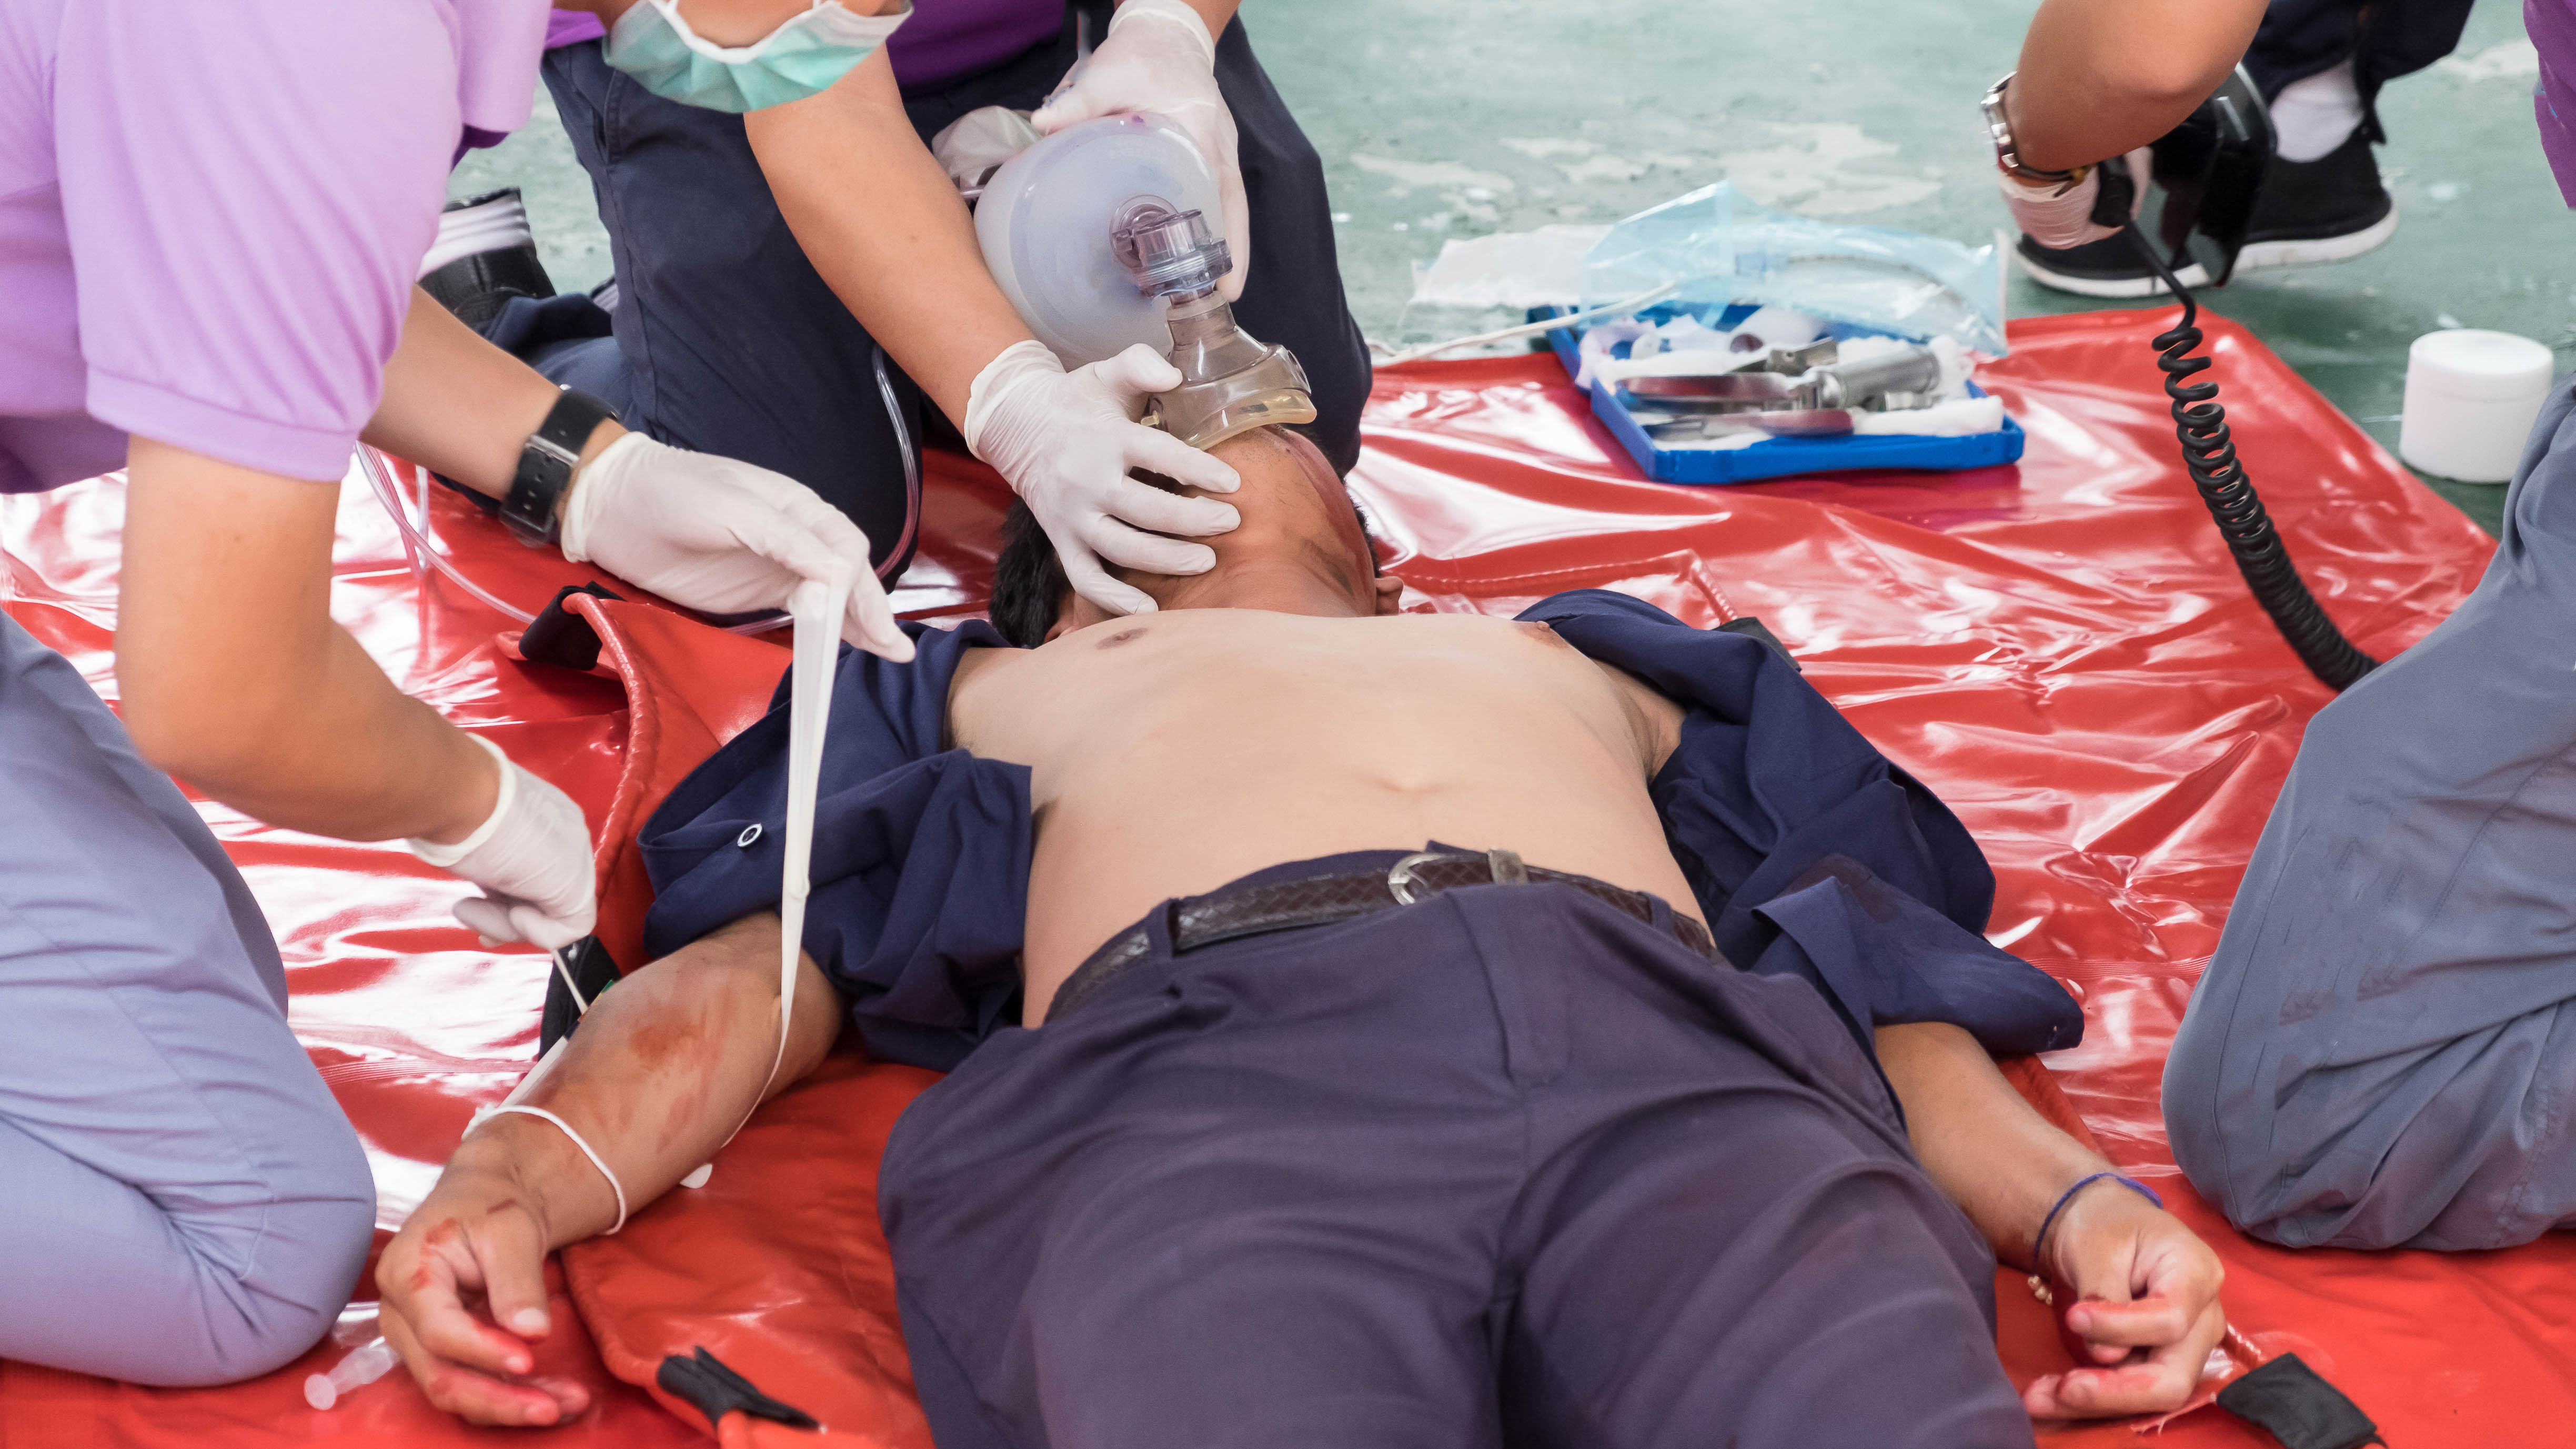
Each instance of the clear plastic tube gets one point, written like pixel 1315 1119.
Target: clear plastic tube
pixel 364 1365
pixel 420 549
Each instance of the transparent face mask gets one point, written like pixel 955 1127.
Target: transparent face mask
pixel 654 44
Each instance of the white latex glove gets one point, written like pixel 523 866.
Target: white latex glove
pixel 1159 59
pixel 532 859
pixel 2067 221
pixel 1065 440
pixel 721 535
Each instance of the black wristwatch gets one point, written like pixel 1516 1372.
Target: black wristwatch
pixel 546 464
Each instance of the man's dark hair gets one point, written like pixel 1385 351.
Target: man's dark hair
pixel 1028 580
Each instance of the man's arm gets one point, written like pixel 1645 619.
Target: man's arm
pixel 2099 78
pixel 663 1069
pixel 236 679
pixel 886 229
pixel 461 407
pixel 2147 1287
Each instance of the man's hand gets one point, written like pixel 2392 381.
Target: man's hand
pixel 2138 1292
pixel 1065 442
pixel 464 1289
pixel 1159 58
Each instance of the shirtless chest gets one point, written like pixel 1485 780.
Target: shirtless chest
pixel 1174 752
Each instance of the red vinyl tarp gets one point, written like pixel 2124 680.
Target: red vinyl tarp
pixel 2062 649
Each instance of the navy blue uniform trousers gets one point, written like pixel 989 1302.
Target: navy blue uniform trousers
pixel 2384 39
pixel 726 340
pixel 1503 1167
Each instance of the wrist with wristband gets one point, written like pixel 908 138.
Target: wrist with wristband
pixel 546 464
pixel 2039 1240
pixel 1999 129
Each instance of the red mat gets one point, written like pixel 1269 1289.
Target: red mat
pixel 2062 649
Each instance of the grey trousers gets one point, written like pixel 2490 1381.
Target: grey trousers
pixel 2383 1050
pixel 181 1202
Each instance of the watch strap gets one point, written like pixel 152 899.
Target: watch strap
pixel 2008 151
pixel 546 463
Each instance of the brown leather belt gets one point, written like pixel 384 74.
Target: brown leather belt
pixel 1230 913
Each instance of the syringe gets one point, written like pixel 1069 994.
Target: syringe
pixel 365 1364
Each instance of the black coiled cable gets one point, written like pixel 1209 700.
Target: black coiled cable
pixel 2211 456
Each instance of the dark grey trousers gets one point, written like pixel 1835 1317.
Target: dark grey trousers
pixel 1503 1167
pixel 2383 1050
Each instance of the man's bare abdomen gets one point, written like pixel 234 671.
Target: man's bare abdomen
pixel 1174 752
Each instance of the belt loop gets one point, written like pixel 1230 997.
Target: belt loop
pixel 1507 867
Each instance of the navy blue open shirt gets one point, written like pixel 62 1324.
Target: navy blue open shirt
pixel 1810 854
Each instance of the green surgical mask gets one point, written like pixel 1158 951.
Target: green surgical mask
pixel 807 54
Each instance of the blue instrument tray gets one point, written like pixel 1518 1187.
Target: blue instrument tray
pixel 1780 457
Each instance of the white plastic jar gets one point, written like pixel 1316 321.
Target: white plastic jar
pixel 2471 398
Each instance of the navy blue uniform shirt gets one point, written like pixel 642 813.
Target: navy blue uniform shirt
pixel 1810 854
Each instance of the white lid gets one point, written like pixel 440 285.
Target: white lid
pixel 2472 363
pixel 1044 221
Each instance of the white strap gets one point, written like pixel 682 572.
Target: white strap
pixel 614 1185
pixel 817 606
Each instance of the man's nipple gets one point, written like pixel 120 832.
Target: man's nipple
pixel 1123 636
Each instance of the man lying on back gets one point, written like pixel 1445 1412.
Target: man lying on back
pixel 1270 1118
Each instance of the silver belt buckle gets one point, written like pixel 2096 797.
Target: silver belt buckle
pixel 1399 876
pixel 1505 866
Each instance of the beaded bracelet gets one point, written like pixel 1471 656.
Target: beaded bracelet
pixel 2081 1183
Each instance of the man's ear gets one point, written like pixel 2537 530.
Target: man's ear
pixel 1390 594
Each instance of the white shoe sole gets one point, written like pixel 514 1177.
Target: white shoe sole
pixel 2118 287
pixel 2253 258
pixel 498 225
pixel 2321 249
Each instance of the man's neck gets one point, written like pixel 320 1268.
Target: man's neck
pixel 1279 588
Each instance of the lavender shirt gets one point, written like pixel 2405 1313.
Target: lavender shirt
pixel 2552 24
pixel 944 41
pixel 210 215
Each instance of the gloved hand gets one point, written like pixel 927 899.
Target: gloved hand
pixel 1158 58
pixel 531 856
pixel 721 535
pixel 2066 221
pixel 1065 440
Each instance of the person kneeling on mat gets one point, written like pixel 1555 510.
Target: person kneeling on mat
pixel 2379 1053
pixel 214 216
pixel 1262 1114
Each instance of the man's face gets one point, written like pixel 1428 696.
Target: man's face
pixel 1299 549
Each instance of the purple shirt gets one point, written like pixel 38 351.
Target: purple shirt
pixel 2552 24
pixel 944 41
pixel 210 215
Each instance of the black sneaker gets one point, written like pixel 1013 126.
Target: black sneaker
pixel 2320 211
pixel 2308 211
pixel 484 256
pixel 2110 267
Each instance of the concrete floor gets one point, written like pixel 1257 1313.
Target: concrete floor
pixel 1439 119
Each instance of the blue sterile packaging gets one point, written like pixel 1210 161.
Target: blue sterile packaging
pixel 1716 258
